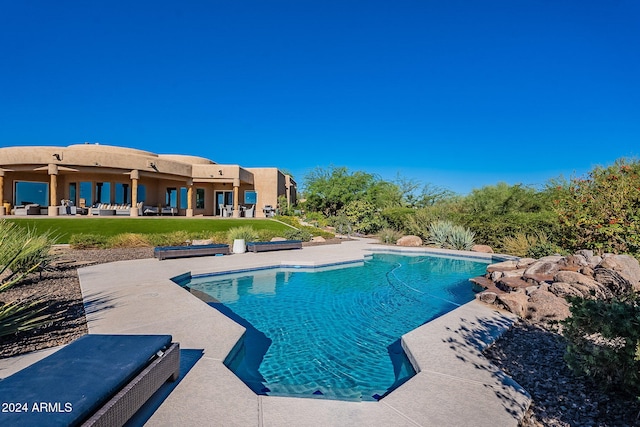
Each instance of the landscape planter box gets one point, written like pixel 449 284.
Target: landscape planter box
pixel 167 252
pixel 274 246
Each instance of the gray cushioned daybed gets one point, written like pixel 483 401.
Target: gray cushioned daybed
pixel 97 380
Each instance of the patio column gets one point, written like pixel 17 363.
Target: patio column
pixel 135 176
pixel 53 190
pixel 236 192
pixel 189 212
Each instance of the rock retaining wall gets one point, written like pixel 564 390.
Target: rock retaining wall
pixel 537 289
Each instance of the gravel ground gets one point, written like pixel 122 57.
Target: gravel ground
pixel 530 354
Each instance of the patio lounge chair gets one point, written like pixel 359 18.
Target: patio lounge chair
pixel 274 246
pixel 167 252
pixel 249 213
pixel 99 380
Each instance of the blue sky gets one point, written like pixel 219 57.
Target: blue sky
pixel 453 93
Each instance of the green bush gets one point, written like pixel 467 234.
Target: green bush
pixel 267 235
pixel 342 224
pixel 600 212
pixel 388 236
pixel 397 218
pixel 175 238
pixel 249 234
pixel 317 232
pixel 303 235
pixel 604 341
pixel 88 241
pixel 316 218
pixel 461 238
pixel 439 233
pixel 363 216
pixel 128 240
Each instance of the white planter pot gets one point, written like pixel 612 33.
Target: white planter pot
pixel 239 246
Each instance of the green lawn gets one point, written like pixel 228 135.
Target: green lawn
pixel 65 227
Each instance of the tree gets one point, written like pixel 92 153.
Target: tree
pixel 329 190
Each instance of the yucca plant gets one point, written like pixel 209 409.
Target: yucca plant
pixel 22 252
pixel 20 316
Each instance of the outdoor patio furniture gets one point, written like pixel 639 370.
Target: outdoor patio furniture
pixel 268 211
pixel 150 210
pixel 167 252
pixel 274 246
pixel 249 213
pixel 169 211
pixel 98 380
pixel 30 209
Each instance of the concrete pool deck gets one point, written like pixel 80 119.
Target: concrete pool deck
pixel 455 384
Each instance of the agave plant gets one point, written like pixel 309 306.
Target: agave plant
pixel 439 232
pixel 461 238
pixel 19 316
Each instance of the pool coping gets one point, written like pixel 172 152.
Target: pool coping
pixel 454 385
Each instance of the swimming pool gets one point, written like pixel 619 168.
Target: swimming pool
pixel 335 332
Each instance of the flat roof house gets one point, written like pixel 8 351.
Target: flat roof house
pixel 95 174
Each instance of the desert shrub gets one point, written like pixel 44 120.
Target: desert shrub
pixel 600 211
pixel 364 216
pixel 267 235
pixel 249 234
pixel 388 235
pixel 289 220
pixel 519 244
pixel 218 237
pixel 342 224
pixel 396 218
pixel 88 241
pixel 303 235
pixel 175 238
pixel 316 218
pixel 128 240
pixel 604 341
pixel 418 224
pixel 317 232
pixel 542 249
pixel 492 230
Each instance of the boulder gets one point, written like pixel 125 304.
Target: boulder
pixel 589 257
pixel 541 271
pixel 487 297
pixel 564 290
pixel 525 262
pixel 502 266
pixel 278 239
pixel 318 239
pixel 626 265
pixel 512 273
pixel 614 281
pixel 482 248
pixel 412 241
pixel 592 287
pixel 544 305
pixel 572 263
pixel 200 242
pixel 515 302
pixel 510 284
pixel 551 258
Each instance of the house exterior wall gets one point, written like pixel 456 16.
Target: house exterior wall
pixel 119 165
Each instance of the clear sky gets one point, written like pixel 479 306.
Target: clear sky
pixel 453 93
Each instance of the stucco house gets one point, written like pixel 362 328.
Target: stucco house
pixel 136 182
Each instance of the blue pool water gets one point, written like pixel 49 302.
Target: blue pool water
pixel 334 332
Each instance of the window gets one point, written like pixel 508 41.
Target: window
pixel 184 202
pixel 250 197
pixel 73 192
pixel 172 196
pixel 85 193
pixel 103 192
pixel 199 198
pixel 142 193
pixel 31 193
pixel 123 194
